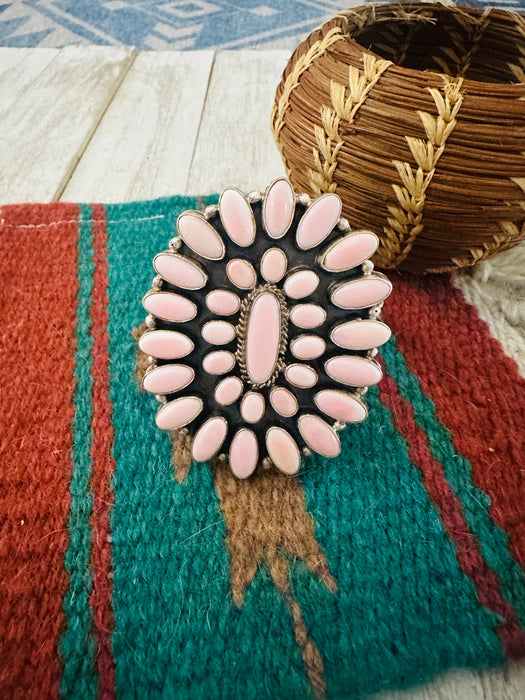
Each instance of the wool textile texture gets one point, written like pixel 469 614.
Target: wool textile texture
pixel 126 575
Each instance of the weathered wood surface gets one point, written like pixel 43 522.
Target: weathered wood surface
pixel 145 141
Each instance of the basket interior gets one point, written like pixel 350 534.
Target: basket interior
pixel 488 47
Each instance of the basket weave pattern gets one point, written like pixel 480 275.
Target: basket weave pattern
pixel 421 133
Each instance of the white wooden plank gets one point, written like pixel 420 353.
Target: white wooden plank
pixel 144 144
pixel 45 131
pixel 235 144
pixel 504 683
pixel 18 69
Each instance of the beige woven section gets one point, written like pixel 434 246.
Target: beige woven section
pixel 414 114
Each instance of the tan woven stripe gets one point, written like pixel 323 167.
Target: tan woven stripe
pixel 346 102
pixel 405 222
pixel 458 60
pixel 267 521
pixel 292 81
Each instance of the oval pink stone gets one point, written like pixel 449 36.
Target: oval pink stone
pixel 301 284
pixel 307 347
pixel 263 337
pixel 283 450
pixel 318 221
pixel 340 405
pixel 178 413
pixel 170 307
pixel 165 345
pixel 180 271
pixel 350 251
pixel 223 302
pixel 273 265
pixel 252 407
pixel 278 208
pixel 218 362
pixel 307 315
pixel 167 378
pixel 209 438
pixel 284 402
pixel 362 292
pixel 361 334
pixel 302 376
pixel 200 236
pixel 241 273
pixel 244 453
pixel 319 436
pixel 218 332
pixel 228 390
pixel 354 371
pixel 237 217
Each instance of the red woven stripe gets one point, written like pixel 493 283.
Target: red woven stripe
pixel 475 387
pixel 103 462
pixel 39 285
pixel 467 548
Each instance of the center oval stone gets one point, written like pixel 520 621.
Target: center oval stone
pixel 263 337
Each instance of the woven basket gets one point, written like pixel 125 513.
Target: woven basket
pixel 414 114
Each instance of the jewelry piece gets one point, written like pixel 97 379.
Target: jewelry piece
pixel 262 328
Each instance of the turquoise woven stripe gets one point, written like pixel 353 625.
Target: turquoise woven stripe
pixel 78 645
pixel 403 602
pixel 493 540
pixel 177 632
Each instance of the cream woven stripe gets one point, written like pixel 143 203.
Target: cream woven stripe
pixel 292 81
pixel 466 43
pixel 346 102
pixel 405 222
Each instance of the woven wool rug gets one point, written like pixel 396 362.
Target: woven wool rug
pixel 175 25
pixel 121 576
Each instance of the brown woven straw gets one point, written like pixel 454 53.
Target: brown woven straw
pixel 414 114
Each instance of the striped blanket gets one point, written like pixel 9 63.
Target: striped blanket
pixel 121 576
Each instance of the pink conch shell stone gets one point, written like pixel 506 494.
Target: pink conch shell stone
pixel 228 390
pixel 218 362
pixel 307 315
pixel 237 217
pixel 167 378
pixel 209 438
pixel 353 371
pixel 218 332
pixel 362 292
pixel 222 302
pixel 278 208
pixel 350 251
pixel 301 284
pixel 178 413
pixel 180 271
pixel 283 450
pixel 170 307
pixel 361 334
pixel 273 265
pixel 241 273
pixel 284 402
pixel 252 407
pixel 200 236
pixel 302 376
pixel 263 337
pixel 319 436
pixel 165 345
pixel 244 453
pixel 318 221
pixel 340 405
pixel 307 347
